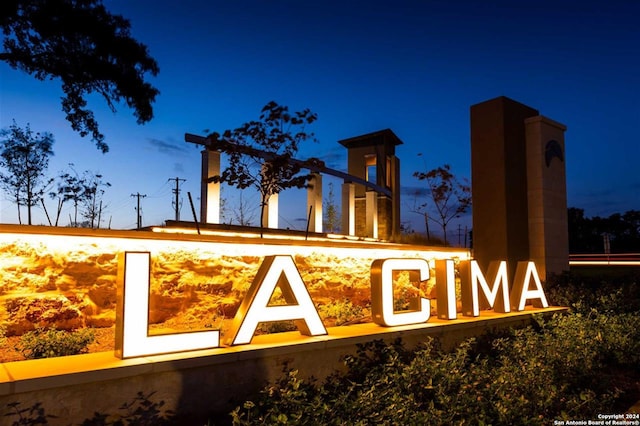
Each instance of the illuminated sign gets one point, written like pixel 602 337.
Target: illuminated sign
pixel 280 271
pixel 177 293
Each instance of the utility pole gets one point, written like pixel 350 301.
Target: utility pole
pixel 466 233
pixel 177 192
pixel 138 196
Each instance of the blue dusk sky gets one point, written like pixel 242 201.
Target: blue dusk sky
pixel 412 66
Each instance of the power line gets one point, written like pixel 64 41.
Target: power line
pixel 161 192
pixel 176 191
pixel 138 215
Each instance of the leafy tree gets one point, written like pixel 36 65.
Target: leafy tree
pixel 25 157
pixel 630 235
pixel 586 234
pixel 242 213
pixel 580 235
pixel 261 153
pixel 422 210
pixel 91 201
pixel 450 197
pixel 85 191
pixel 87 48
pixel 69 187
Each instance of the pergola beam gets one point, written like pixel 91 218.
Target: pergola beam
pixel 313 166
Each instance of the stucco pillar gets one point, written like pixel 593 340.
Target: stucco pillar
pixel 348 209
pixel 314 202
pixel 270 213
pixel 547 195
pixel 371 214
pixel 210 191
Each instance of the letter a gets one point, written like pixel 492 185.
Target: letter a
pixel 525 272
pixel 255 305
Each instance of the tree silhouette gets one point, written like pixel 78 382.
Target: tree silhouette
pixel 91 202
pixel 242 212
pixel 261 153
pixel 421 209
pixel 25 157
pixel 331 214
pixel 586 234
pixel 87 48
pixel 85 191
pixel 450 197
pixel 68 188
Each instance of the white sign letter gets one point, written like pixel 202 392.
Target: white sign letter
pixel 525 272
pixel 132 325
pixel 472 278
pixel 255 305
pixel 382 292
pixel 446 289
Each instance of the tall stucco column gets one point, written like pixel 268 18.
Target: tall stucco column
pixel 314 202
pixel 394 165
pixel 270 212
pixel 547 195
pixel 371 214
pixel 210 191
pixel 348 208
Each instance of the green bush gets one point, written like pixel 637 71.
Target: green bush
pixel 276 327
pixel 569 366
pixel 606 294
pixel 49 342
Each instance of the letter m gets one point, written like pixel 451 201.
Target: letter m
pixel 472 279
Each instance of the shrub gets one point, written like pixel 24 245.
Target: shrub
pixel 343 311
pixel 142 410
pixel 34 415
pixel 49 342
pixel 276 327
pixel 569 366
pixel 583 293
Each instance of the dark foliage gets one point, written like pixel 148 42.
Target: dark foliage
pixel 87 48
pixel 450 197
pixel 262 153
pixel 25 157
pixel 141 411
pixel 567 367
pixel 34 415
pixel 586 234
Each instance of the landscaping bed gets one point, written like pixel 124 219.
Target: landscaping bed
pixel 574 366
